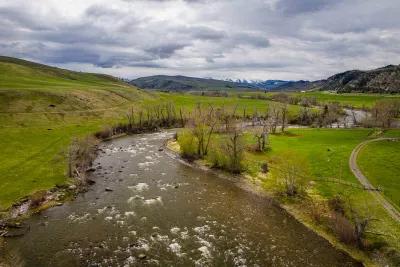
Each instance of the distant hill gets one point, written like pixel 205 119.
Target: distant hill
pixel 27 86
pixel 267 84
pixel 277 85
pixel 381 80
pixel 183 83
pixel 293 86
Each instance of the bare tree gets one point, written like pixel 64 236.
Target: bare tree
pixel 330 113
pixel 227 117
pixel 234 148
pixel 284 115
pixel 305 116
pixel 261 134
pixel 354 116
pixel 273 117
pixel 204 123
pixel 385 111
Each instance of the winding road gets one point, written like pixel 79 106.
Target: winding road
pixel 394 213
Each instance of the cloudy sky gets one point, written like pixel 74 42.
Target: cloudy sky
pixel 251 39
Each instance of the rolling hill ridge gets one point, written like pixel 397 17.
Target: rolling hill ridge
pixel 31 87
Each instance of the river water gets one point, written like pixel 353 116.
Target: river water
pixel 161 212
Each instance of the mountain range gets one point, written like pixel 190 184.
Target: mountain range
pixel 184 83
pixel 381 80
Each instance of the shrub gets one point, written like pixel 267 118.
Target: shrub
pixel 104 134
pixel 337 204
pixel 188 145
pixel 37 198
pixel 316 211
pixel 82 152
pixel 233 147
pixel 292 173
pixel 344 229
pixel 217 157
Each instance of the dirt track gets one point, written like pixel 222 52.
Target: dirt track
pixel 394 213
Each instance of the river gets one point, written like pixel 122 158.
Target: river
pixel 148 209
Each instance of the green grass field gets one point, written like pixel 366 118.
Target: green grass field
pixel 356 100
pixel 380 163
pixel 247 105
pixel 328 150
pixel 34 159
pixel 41 110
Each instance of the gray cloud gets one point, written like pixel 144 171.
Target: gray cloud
pixel 258 39
pixel 165 51
pixel 294 7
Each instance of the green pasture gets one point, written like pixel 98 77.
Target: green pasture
pixel 380 163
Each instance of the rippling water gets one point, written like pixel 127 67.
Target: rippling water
pixel 163 213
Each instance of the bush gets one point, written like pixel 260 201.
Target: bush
pixel 223 156
pixel 217 157
pixel 316 210
pixel 292 173
pixel 344 229
pixel 337 204
pixel 233 147
pixel 188 145
pixel 104 134
pixel 82 152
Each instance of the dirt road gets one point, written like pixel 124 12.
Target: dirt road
pixel 394 213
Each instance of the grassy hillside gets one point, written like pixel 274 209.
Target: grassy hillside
pixel 30 87
pixel 41 110
pixel 18 73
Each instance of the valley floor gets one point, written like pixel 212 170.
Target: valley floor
pixel 35 149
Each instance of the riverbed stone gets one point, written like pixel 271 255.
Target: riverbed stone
pixel 72 187
pixel 90 182
pixel 142 256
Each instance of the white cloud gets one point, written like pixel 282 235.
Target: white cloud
pixel 258 39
